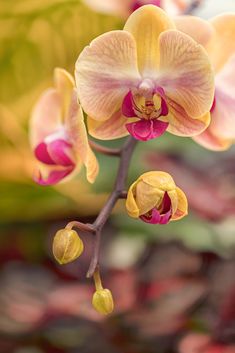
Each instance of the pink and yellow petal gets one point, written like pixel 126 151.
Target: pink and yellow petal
pixel 222 46
pixel 64 84
pixel 105 72
pixel 186 73
pixel 212 142
pixel 200 30
pixel 223 116
pixel 46 117
pixel 110 129
pixel 51 175
pixel 146 24
pixel 182 206
pixel 181 124
pixel 77 134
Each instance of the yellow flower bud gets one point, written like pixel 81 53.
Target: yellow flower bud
pixel 154 198
pixel 102 301
pixel 67 246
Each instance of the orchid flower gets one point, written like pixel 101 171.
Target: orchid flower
pixel 58 133
pixel 145 79
pixel 220 45
pixel 155 199
pixel 123 8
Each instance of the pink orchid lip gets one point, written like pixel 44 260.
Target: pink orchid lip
pixel 160 217
pixel 54 177
pixel 137 4
pixel 54 153
pixel 145 130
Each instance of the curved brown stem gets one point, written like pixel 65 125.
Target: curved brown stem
pixel 117 193
pixel 115 152
pixel 85 227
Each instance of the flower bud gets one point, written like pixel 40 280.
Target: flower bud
pixel 67 246
pixel 154 198
pixel 102 301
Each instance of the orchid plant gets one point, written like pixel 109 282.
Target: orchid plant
pixel 154 76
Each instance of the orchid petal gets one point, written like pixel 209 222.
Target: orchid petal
pixel 187 75
pixel 60 152
pixel 131 205
pixel 155 217
pixel 54 176
pixel 113 128
pixel 105 71
pixel 41 153
pixel 64 84
pixel 200 30
pixel 182 207
pixel 145 130
pixel 212 142
pixel 181 124
pixel 223 44
pixel 147 198
pixel 127 106
pixel 160 180
pixel 146 24
pixel 46 117
pixel 77 134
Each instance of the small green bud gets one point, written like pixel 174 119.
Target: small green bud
pixel 102 301
pixel 67 246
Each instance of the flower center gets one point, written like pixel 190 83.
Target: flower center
pixel 145 105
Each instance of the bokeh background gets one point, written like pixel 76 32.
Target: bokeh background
pixel 168 281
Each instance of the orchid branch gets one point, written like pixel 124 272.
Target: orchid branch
pixel 118 192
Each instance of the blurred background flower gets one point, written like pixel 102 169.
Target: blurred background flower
pixel 173 286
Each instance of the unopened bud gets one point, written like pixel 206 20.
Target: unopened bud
pixel 102 301
pixel 67 246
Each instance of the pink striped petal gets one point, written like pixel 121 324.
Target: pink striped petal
pixel 59 152
pixel 41 153
pixel 54 177
pixel 181 124
pixel 145 130
pixel 186 73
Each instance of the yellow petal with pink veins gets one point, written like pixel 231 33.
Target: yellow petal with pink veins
pixel 182 206
pixel 181 124
pixel 223 43
pixel 64 84
pixel 200 30
pixel 146 24
pixel 105 72
pixel 109 129
pixel 46 116
pixel 77 134
pixel 186 73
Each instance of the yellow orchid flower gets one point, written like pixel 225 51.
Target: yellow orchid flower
pixel 145 79
pixel 58 134
pixel 155 199
pixel 123 8
pixel 218 38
